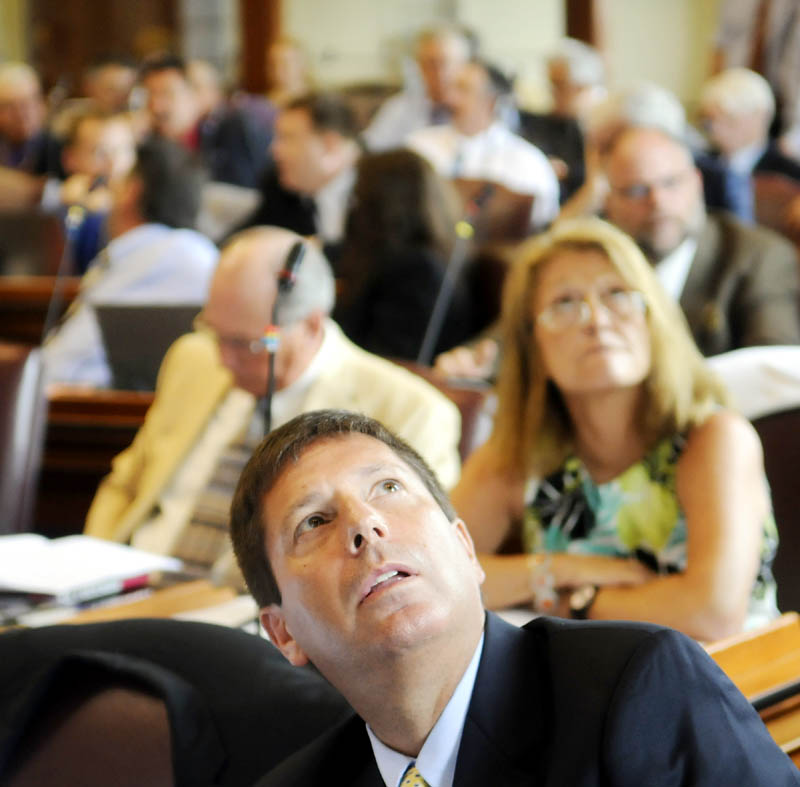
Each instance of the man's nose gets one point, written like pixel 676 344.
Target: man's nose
pixel 363 525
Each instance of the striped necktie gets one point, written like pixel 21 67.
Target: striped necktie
pixel 413 778
pixel 205 537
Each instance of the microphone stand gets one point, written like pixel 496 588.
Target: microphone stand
pixel 74 220
pixel 465 231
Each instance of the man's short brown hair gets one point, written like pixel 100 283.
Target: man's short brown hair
pixel 285 444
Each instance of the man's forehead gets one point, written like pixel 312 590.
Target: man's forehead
pixel 644 149
pixel 357 453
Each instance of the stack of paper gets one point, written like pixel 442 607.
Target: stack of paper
pixel 74 569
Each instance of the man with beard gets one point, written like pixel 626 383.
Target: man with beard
pixel 737 285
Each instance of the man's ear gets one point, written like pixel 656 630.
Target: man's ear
pixel 466 539
pixel 274 623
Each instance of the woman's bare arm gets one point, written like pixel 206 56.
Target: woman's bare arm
pixel 721 489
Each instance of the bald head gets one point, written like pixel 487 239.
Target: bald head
pixel 655 192
pixel 241 298
pixel 21 106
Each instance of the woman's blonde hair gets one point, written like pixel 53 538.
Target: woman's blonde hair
pixel 532 430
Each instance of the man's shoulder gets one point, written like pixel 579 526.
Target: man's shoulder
pixel 735 231
pixel 390 381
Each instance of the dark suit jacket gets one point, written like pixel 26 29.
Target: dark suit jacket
pixel 557 137
pixel 742 288
pixel 235 147
pixel 774 160
pixel 561 704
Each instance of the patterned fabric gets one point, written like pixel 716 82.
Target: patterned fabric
pixel 634 515
pixel 205 537
pixel 413 778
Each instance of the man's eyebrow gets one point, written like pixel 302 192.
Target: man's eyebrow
pixel 315 496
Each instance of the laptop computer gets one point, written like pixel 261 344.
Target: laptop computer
pixel 137 336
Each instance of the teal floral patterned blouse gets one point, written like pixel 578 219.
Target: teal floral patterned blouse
pixel 634 515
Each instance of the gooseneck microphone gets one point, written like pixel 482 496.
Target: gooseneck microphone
pixel 73 222
pixel 465 231
pixel 271 340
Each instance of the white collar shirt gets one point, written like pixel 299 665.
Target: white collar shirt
pixel 331 202
pixel 496 155
pixel 437 758
pixel 673 270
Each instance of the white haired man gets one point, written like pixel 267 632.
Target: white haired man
pixel 170 491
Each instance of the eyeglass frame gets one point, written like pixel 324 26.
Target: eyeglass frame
pixel 635 299
pixel 238 344
pixel 636 192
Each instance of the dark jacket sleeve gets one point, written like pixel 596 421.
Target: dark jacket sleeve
pixel 676 719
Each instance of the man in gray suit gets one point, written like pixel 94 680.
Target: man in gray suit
pixel 737 284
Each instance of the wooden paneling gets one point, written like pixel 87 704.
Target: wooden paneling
pixel 67 35
pixel 86 429
pixel 260 26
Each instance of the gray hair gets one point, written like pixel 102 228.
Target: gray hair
pixel 314 288
pixel 641 105
pixel 14 74
pixel 584 63
pixel 739 91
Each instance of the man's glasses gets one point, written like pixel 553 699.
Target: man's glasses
pixel 569 311
pixel 236 344
pixel 639 191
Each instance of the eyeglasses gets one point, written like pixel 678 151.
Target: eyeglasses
pixel 638 191
pixel 569 311
pixel 237 344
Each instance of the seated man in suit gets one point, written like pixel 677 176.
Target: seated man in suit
pixel 232 145
pixel 477 145
pixel 736 110
pixel 170 491
pixel 25 142
pixel 362 567
pixel 315 149
pixel 738 285
pixel 576 73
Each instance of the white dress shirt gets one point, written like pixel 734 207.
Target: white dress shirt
pixel 148 264
pixel 437 758
pixel 398 116
pixel 331 202
pixel 497 155
pixel 674 269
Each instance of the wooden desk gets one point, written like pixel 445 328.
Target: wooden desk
pixel 762 663
pixel 163 603
pixel 86 429
pixel 23 305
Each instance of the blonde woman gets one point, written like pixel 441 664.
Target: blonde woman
pixel 615 484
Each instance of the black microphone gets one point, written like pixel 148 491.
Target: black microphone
pixel 465 231
pixel 286 280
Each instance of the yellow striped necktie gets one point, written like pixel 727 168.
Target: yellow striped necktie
pixel 413 778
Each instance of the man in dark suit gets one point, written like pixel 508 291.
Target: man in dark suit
pixel 232 145
pixel 362 567
pixel 737 108
pixel 737 285
pixel 307 189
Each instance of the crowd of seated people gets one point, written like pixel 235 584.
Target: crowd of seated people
pixel 613 464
